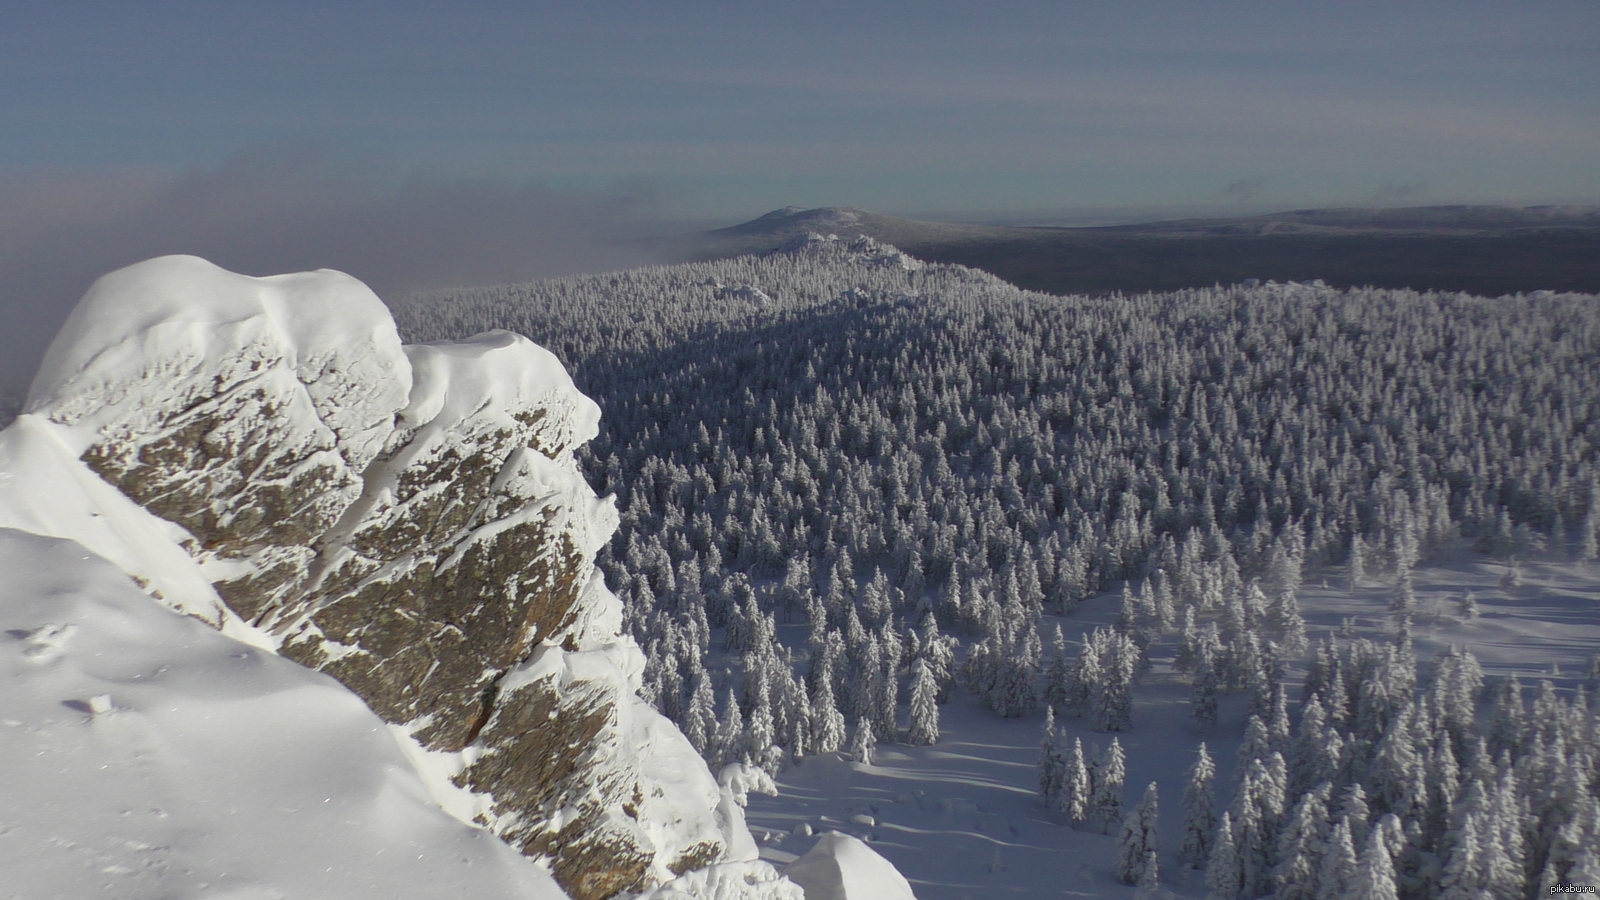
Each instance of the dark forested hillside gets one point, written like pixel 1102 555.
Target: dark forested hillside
pixel 913 459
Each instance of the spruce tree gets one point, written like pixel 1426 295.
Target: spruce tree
pixel 1108 779
pixel 760 739
pixel 936 652
pixel 1224 880
pixel 730 741
pixel 1339 862
pixel 1374 876
pixel 700 721
pixel 1199 811
pixel 827 723
pixel 1149 878
pixel 1356 569
pixel 1077 785
pixel 1138 839
pixel 863 740
pixel 1300 847
pixel 1057 673
pixel 1052 762
pixel 1589 535
pixel 1355 811
pixel 1087 676
pixel 924 728
pixel 886 688
pixel 1203 695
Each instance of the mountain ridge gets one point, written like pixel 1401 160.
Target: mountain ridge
pixel 1486 250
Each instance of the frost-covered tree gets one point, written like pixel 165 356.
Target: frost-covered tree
pixel 1356 812
pixel 1077 785
pixel 700 721
pixel 1339 862
pixel 1058 673
pixel 936 652
pixel 827 722
pixel 1203 696
pixel 1052 761
pixel 1374 875
pixel 1224 878
pixel 924 706
pixel 1199 810
pixel 1355 566
pixel 1137 843
pixel 1300 847
pixel 863 741
pixel 1109 775
pixel 730 738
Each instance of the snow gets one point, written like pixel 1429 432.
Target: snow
pixel 841 867
pixel 486 376
pixel 148 756
pixel 46 489
pixel 962 819
pixel 727 881
pixel 742 779
pixel 146 337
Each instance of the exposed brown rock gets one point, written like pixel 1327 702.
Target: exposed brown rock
pixel 418 583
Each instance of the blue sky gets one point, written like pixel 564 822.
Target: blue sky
pixel 419 145
pixel 732 109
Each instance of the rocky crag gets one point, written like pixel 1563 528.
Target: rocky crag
pixel 407 519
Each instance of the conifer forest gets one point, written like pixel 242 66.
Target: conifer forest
pixel 853 486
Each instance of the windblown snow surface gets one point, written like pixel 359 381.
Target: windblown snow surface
pixel 147 755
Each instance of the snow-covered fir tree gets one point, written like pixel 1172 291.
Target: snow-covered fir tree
pixel 1374 877
pixel 1109 774
pixel 1136 846
pixel 863 741
pixel 924 706
pixel 1199 811
pixel 1077 785
pixel 1224 877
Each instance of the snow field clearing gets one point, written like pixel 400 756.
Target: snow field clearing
pixel 963 819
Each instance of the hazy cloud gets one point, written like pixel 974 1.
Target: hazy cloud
pixel 285 210
pixel 1245 189
pixel 1389 192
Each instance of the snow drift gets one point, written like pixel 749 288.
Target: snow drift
pixel 841 867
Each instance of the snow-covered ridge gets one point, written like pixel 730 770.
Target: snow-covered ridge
pixel 263 454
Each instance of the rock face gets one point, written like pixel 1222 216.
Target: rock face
pixel 409 520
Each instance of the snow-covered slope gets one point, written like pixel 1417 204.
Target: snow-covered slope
pixel 147 756
pixel 264 455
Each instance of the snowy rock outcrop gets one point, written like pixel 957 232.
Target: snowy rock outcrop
pixel 409 520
